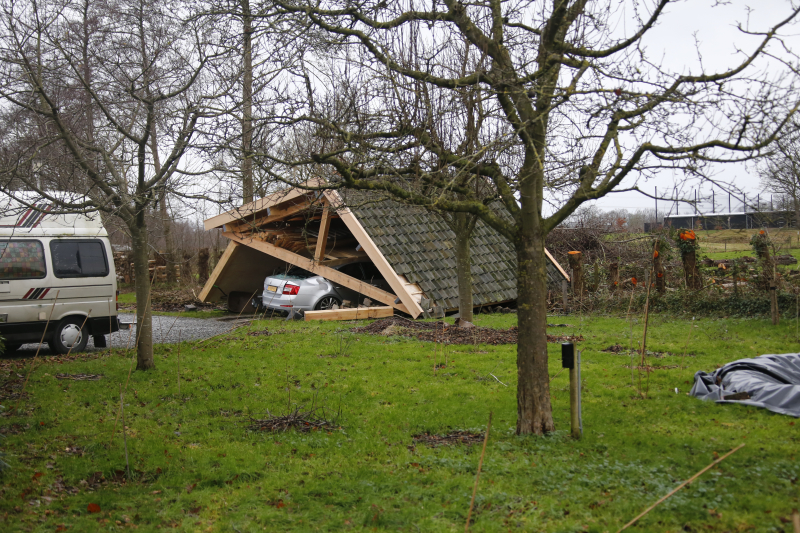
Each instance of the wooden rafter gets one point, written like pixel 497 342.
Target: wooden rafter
pixel 322 237
pixel 212 280
pixel 275 214
pixel 262 204
pixel 331 274
pixel 374 253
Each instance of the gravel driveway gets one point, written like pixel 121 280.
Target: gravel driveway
pixel 166 329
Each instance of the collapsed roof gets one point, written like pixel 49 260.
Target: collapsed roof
pixel 413 248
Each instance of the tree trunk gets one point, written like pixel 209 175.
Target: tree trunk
pixel 144 316
pixel 463 231
pixel 202 265
pixel 691 271
pixel 247 103
pixel 534 412
pixel 613 276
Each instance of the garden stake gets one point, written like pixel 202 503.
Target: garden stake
pixel 30 370
pixel 180 331
pixel 644 340
pixel 84 323
pixel 109 323
pixel 796 521
pixel 679 487
pixel 630 336
pixel 124 433
pixel 478 473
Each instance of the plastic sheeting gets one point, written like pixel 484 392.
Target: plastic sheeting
pixel 768 381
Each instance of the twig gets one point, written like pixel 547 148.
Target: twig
pixel 679 487
pixel 124 433
pixel 478 473
pixel 500 382
pixel 84 323
pixel 171 326
pixel 30 370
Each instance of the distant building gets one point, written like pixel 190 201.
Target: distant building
pixel 751 220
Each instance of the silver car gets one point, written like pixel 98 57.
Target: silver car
pixel 299 289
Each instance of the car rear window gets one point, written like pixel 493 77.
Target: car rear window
pixel 22 260
pixel 79 259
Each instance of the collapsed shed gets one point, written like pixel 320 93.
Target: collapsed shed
pixel 412 248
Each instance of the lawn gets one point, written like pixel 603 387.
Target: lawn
pixel 196 466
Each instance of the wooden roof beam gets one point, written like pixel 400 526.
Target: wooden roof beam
pixel 262 204
pixel 312 266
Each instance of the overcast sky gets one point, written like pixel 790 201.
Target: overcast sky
pixel 713 24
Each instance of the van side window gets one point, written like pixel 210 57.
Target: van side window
pixel 22 260
pixel 78 259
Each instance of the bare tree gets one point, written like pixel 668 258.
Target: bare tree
pixel 88 107
pixel 780 172
pixel 587 110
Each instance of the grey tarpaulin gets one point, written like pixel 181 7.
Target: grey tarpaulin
pixel 768 381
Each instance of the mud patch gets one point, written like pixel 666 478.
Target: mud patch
pixel 449 439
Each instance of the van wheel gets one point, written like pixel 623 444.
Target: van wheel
pixel 69 336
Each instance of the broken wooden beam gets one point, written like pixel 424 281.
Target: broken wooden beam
pixel 360 313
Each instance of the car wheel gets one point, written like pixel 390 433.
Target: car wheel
pixel 69 336
pixel 327 302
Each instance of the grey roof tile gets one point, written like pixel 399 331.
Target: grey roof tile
pixel 421 247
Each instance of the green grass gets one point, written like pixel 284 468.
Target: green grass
pixel 197 468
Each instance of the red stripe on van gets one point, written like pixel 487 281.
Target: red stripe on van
pixel 44 293
pixel 22 220
pixel 49 207
pixel 27 293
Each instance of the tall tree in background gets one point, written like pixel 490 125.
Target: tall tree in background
pixel 588 111
pixel 85 105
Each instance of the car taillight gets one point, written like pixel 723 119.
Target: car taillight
pixel 291 289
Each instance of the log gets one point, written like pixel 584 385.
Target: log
pixel 350 314
pixel 576 264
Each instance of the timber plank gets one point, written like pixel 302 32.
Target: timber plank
pixel 350 314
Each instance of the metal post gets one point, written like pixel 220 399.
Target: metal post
pixel 713 202
pixel 564 287
pixel 575 401
pixel 571 362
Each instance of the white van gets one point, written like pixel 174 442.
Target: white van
pixel 48 259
